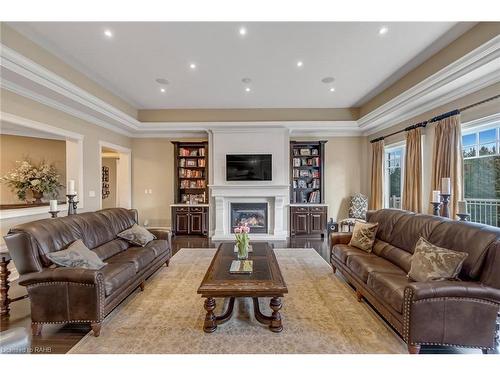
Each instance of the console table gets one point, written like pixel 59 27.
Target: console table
pixel 5 301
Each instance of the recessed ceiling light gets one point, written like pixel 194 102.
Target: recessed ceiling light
pixel 192 66
pixel 243 31
pixel 332 89
pixel 383 30
pixel 300 63
pixel 108 33
pixel 247 89
pixel 162 81
pixel 328 80
pixel 163 89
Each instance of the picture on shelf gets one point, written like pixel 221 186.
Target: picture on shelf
pixel 191 162
pixel 305 152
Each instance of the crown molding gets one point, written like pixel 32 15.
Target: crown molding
pixel 409 103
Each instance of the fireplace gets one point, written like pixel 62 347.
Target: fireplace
pixel 253 214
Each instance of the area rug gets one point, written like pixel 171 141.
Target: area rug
pixel 320 315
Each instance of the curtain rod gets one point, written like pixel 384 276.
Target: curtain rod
pixel 423 124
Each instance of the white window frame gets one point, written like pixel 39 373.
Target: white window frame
pixel 487 123
pixel 388 149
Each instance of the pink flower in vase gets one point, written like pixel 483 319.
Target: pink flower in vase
pixel 245 229
pixel 237 230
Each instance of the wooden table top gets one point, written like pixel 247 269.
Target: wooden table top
pixel 265 280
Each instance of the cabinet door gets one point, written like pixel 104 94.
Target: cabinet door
pixel 300 223
pixel 316 222
pixel 182 223
pixel 196 223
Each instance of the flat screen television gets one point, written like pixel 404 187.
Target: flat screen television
pixel 249 167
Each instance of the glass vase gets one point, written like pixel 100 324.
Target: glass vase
pixel 242 250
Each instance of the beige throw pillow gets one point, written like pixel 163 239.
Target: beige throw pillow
pixel 77 255
pixel 431 262
pixel 363 236
pixel 137 235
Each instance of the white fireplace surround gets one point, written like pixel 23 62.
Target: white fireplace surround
pixel 276 196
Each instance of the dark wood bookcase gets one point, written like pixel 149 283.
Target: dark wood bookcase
pixel 307 172
pixel 191 172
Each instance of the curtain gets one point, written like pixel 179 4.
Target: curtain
pixel 412 184
pixel 447 159
pixel 377 181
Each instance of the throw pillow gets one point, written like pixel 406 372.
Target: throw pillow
pixel 431 262
pixel 137 235
pixel 77 255
pixel 363 235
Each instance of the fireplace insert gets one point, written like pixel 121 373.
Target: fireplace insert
pixel 253 214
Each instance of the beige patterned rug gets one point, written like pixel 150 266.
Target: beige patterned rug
pixel 320 315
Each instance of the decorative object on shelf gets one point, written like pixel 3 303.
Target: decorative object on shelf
pixel 242 240
pixel 462 211
pixel 72 203
pixel 105 182
pixel 40 179
pixel 53 211
pixel 445 196
pixel 436 202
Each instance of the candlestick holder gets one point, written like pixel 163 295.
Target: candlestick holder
pixel 436 206
pixel 72 204
pixel 445 198
pixel 464 217
pixel 53 214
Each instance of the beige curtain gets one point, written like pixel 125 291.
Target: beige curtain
pixel 412 185
pixel 447 159
pixel 377 181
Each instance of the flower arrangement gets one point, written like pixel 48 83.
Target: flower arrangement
pixel 242 240
pixel 40 179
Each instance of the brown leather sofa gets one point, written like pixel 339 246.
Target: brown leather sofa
pixel 72 295
pixel 446 313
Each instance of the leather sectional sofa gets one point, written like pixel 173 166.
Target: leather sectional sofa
pixel 72 295
pixel 447 313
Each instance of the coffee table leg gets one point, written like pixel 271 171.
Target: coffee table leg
pixel 275 324
pixel 210 324
pixel 4 288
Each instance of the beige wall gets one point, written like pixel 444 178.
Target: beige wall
pixel 110 201
pixel 428 140
pixel 32 51
pixel 467 42
pixel 256 114
pixel 344 172
pixel 15 148
pixel 153 168
pixel 92 134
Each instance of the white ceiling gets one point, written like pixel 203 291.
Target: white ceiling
pixel 362 62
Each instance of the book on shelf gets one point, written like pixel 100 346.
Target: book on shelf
pixel 296 162
pixel 201 163
pixel 314 151
pixel 241 266
pixel 314 197
pixel 192 184
pixel 201 151
pixel 315 174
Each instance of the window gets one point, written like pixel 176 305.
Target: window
pixel 393 170
pixel 480 148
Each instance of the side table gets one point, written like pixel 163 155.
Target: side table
pixel 5 301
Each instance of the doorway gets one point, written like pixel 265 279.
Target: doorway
pixel 115 175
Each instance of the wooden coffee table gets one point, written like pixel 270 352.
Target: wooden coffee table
pixel 265 281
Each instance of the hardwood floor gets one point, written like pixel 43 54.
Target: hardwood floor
pixel 59 339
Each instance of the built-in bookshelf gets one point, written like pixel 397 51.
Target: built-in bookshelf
pixel 306 171
pixel 191 172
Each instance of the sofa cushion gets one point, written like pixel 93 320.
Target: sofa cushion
pixel 140 257
pixel 432 262
pixel 341 252
pixel 158 246
pixel 111 248
pixel 137 235
pixel 77 255
pixel 116 275
pixel 363 265
pixel 389 287
pixel 393 254
pixel 363 235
